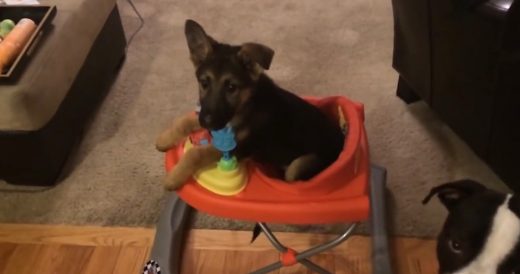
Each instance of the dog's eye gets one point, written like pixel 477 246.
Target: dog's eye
pixel 455 246
pixel 204 83
pixel 231 88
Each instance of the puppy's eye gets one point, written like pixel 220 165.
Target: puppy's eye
pixel 231 88
pixel 204 83
pixel 455 246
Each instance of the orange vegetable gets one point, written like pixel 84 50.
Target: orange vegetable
pixel 13 43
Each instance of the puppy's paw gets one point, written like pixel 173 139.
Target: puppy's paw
pixel 303 168
pixel 181 128
pixel 168 139
pixel 172 183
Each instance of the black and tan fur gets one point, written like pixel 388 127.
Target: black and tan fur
pixel 272 126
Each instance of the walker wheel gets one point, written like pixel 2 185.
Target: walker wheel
pixel 152 267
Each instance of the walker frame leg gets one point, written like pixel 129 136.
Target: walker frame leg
pixel 302 257
pixel 167 250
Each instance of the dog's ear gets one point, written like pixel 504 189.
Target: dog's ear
pixel 253 53
pixel 450 194
pixel 514 204
pixel 199 43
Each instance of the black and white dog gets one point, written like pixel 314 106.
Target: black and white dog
pixel 482 232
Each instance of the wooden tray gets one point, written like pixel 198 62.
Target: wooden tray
pixel 42 16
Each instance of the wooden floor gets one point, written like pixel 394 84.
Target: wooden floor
pixel 46 249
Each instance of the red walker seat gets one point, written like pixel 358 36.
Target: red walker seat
pixel 339 194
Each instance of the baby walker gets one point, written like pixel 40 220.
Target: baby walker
pixel 349 191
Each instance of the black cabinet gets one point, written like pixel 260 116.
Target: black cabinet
pixel 462 57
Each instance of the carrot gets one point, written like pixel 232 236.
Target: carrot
pixel 13 43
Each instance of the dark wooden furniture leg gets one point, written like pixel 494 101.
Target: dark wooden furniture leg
pixel 406 93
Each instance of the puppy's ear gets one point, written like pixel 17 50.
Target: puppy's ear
pixel 256 56
pixel 450 194
pixel 199 43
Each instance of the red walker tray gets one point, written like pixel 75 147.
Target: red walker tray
pixel 338 194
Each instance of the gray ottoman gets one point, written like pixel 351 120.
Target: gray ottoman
pixel 42 115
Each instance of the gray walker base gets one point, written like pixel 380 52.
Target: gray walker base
pixel 166 254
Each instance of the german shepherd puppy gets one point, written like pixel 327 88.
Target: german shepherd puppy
pixel 272 126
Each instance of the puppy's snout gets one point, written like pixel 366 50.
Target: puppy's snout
pixel 208 119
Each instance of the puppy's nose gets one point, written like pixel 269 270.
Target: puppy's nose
pixel 208 119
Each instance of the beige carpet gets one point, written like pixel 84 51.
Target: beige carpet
pixel 322 48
